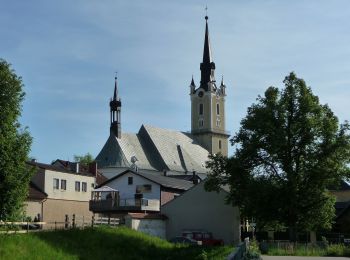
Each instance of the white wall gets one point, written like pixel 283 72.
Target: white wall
pixel 69 193
pixel 199 209
pixel 153 227
pixel 128 191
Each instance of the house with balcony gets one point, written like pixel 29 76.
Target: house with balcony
pixel 133 191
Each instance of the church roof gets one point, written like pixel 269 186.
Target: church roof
pixel 155 149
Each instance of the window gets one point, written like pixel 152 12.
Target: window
pixel 146 188
pixel 93 185
pixel 201 122
pixel 130 180
pixel 56 183
pixel 77 186
pixel 200 109
pixel 63 184
pixel 84 187
pixel 217 109
pixel 219 144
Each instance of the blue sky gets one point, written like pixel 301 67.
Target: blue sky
pixel 67 53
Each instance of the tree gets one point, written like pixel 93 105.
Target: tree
pixel 289 149
pixel 15 145
pixel 84 159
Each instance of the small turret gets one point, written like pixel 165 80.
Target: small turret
pixel 192 86
pixel 223 87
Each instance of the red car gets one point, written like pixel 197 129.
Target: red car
pixel 203 236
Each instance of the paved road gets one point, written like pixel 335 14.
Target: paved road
pixel 265 257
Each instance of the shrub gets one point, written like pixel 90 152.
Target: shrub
pixel 335 250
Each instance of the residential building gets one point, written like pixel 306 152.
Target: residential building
pixel 62 192
pixel 197 209
pixel 132 191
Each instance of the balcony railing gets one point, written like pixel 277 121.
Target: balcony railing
pixel 124 205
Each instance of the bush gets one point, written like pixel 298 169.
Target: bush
pixel 335 250
pixel 253 251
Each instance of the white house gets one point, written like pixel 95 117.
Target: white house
pixel 132 191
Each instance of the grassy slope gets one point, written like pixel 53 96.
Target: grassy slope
pixel 100 243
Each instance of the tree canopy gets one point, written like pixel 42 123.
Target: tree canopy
pixel 288 151
pixel 15 145
pixel 84 159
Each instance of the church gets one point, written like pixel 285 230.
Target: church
pixel 155 150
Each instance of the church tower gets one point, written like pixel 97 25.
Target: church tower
pixel 208 105
pixel 115 104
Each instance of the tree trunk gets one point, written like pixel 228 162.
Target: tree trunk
pixel 293 233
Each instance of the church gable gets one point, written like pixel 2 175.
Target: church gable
pixel 178 150
pixel 112 154
pixel 133 145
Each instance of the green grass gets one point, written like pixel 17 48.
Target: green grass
pixel 303 250
pixel 100 243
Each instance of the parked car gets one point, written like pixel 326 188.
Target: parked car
pixel 184 240
pixel 203 236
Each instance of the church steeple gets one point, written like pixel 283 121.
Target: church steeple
pixel 115 106
pixel 208 105
pixel 207 66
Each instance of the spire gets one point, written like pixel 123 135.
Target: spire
pixel 192 82
pixel 115 89
pixel 207 49
pixel 207 66
pixel 222 81
pixel 115 113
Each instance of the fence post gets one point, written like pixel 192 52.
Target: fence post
pixel 109 220
pixel 73 221
pixel 66 222
pixel 55 225
pixel 92 220
pixel 27 226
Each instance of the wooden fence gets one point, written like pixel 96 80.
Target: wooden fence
pixel 69 223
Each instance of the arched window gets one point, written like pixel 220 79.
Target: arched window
pixel 220 144
pixel 217 109
pixel 200 109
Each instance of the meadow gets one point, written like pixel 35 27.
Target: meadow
pixel 100 243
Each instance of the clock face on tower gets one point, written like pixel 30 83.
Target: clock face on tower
pixel 200 94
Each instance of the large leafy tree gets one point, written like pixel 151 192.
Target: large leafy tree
pixel 14 145
pixel 289 149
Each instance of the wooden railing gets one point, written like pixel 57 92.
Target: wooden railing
pixel 124 205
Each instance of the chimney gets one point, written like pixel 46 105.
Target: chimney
pixel 77 167
pixel 194 178
pixel 164 172
pixel 93 168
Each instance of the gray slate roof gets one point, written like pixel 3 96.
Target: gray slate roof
pixel 163 181
pixel 156 149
